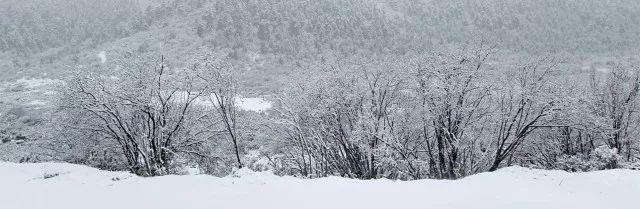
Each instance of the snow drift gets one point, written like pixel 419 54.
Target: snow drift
pixel 67 186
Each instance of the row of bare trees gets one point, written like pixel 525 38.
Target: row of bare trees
pixel 448 116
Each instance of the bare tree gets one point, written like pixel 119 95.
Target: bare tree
pixel 381 94
pixel 221 92
pixel 342 122
pixel 617 101
pixel 141 108
pixel 522 107
pixel 453 98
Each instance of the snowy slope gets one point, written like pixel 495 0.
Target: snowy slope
pixel 66 186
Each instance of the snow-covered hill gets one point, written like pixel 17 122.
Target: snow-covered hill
pixel 67 186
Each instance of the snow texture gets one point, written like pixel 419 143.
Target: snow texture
pixel 34 83
pixel 67 186
pixel 254 104
pixel 103 56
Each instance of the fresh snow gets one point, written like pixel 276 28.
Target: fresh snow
pixel 254 104
pixel 67 186
pixel 103 56
pixel 34 83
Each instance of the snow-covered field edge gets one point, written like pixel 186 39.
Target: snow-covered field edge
pixel 68 186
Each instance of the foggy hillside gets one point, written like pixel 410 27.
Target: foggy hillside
pixel 39 34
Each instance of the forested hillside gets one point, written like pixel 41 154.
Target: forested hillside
pixel 58 33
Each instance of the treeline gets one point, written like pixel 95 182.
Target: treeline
pixel 310 27
pixel 29 27
pixel 447 114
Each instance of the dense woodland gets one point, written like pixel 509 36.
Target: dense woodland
pixel 362 89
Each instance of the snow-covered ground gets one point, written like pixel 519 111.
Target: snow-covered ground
pixel 255 104
pixel 35 83
pixel 67 186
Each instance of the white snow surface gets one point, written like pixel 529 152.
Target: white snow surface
pixel 255 104
pixel 68 186
pixel 103 56
pixel 34 83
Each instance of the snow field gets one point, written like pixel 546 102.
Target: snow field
pixel 67 186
